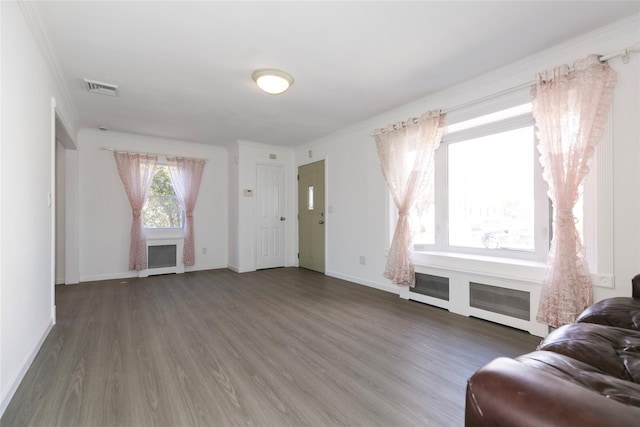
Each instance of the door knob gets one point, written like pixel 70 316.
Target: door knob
pixel 321 222
pixel 282 218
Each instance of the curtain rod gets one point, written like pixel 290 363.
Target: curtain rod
pixel 150 154
pixel 624 53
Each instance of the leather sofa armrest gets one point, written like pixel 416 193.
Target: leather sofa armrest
pixel 635 285
pixel 507 392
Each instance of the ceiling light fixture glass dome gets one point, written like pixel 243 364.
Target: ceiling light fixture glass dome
pixel 272 81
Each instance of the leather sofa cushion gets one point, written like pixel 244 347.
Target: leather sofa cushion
pixel 587 376
pixel 621 312
pixel 551 390
pixel 614 351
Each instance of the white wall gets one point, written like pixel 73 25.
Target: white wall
pixel 105 213
pixel 60 213
pixel 26 179
pixel 244 158
pixel 233 256
pixel 355 206
pixel 72 217
pixel 358 197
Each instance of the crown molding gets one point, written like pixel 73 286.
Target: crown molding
pixel 168 143
pixel 33 18
pixel 260 145
pixel 500 79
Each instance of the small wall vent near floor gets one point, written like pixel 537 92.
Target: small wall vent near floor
pixel 431 286
pixel 509 302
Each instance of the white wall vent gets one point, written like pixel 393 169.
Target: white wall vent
pixel 101 88
pixel 508 302
pixel 432 286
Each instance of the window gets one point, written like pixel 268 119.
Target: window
pixel 517 228
pixel 487 195
pixel 162 209
pixel 490 191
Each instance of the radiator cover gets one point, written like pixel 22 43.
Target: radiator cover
pixel 431 286
pixel 505 301
pixel 162 256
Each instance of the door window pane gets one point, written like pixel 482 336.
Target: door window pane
pixel 310 198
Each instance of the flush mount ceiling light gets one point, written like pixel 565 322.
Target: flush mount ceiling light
pixel 271 81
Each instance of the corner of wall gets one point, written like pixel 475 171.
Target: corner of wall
pixel 17 378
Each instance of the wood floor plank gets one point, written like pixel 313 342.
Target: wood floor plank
pixel 285 347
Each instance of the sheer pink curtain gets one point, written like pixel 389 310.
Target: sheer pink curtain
pixel 570 109
pixel 406 155
pixel 186 175
pixel 136 172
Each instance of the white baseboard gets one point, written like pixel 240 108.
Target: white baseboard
pixel 369 283
pixel 205 267
pixel 108 276
pixel 7 395
pixel 240 269
pixel 135 274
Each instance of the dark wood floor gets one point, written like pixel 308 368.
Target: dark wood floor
pixel 284 347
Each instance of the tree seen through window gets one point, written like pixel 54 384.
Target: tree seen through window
pixel 162 209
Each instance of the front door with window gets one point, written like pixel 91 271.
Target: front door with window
pixel 311 221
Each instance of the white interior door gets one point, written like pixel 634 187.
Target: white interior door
pixel 270 200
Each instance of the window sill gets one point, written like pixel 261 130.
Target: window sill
pixel 499 267
pixel 504 268
pixel 164 233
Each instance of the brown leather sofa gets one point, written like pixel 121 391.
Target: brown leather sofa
pixel 583 374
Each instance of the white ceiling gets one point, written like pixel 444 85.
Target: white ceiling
pixel 184 68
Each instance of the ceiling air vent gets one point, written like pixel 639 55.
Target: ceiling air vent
pixel 101 88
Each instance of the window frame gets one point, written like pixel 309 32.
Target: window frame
pixel 598 215
pixel 541 201
pixel 182 212
pixel 472 127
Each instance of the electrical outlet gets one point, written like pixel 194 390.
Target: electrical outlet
pixel 204 251
pixel 363 260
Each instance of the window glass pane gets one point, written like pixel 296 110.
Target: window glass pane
pixel 162 212
pixel 310 198
pixel 423 212
pixel 424 224
pixel 162 209
pixel 578 213
pixel 161 183
pixel 490 191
